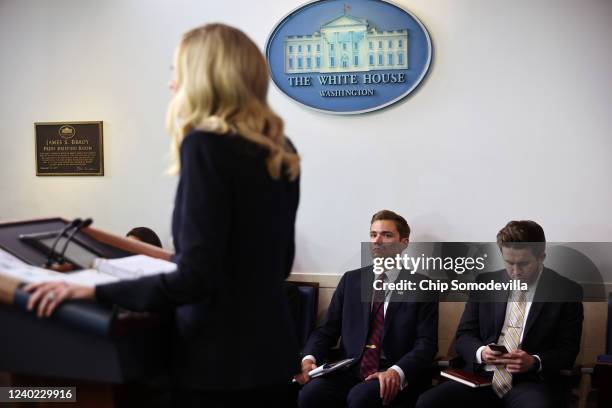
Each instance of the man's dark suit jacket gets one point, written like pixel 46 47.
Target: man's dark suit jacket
pixel 233 231
pixel 552 331
pixel 410 336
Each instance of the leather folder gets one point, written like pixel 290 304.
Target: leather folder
pixel 466 378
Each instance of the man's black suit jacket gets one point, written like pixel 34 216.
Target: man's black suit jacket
pixel 410 336
pixel 552 330
pixel 233 231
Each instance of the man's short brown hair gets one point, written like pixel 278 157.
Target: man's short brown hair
pixel 400 223
pixel 522 234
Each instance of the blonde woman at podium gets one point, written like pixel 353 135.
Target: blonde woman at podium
pixel 233 229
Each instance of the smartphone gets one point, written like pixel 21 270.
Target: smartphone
pixel 498 347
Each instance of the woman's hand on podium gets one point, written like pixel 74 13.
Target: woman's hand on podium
pixel 46 296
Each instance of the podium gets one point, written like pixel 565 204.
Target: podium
pixel 104 351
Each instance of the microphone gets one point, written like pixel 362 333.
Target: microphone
pixel 68 227
pixel 86 223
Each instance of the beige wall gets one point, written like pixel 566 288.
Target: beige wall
pixel 512 122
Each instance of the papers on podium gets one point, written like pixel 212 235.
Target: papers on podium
pixel 8 260
pixel 469 379
pixel 88 277
pixel 103 271
pixel 14 267
pixel 133 267
pixel 330 367
pixel 33 274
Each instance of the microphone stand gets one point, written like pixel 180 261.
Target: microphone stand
pixel 61 261
pixel 51 256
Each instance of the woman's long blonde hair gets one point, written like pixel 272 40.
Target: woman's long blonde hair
pixel 221 87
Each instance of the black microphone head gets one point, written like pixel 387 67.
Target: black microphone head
pixel 86 223
pixel 75 222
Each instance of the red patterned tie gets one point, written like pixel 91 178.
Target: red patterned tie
pixel 371 355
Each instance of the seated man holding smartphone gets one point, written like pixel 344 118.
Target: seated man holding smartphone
pixel 521 339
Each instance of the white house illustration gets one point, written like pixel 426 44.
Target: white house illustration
pixel 346 44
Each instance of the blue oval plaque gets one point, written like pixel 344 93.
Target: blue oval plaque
pixel 348 57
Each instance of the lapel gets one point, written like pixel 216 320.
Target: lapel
pixel 366 299
pixel 537 306
pixel 500 303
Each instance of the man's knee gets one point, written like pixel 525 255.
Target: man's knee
pixel 443 395
pixel 429 399
pixel 539 401
pixel 531 396
pixel 365 394
pixel 312 395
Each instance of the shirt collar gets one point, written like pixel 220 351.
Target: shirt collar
pixel 391 274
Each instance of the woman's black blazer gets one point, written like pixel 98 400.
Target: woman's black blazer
pixel 233 228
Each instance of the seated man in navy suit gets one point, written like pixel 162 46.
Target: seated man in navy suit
pixel 539 327
pixel 393 342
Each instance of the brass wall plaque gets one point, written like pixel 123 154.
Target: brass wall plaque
pixel 69 149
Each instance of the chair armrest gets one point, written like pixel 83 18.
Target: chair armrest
pixel 587 368
pixel 571 372
pixel 447 361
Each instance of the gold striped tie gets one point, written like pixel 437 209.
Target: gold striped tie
pixel 502 379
